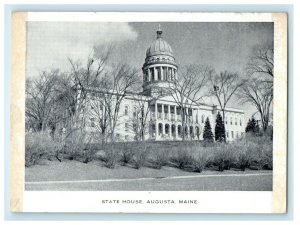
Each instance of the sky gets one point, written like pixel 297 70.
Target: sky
pixel 224 46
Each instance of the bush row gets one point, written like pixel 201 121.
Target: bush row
pixel 251 152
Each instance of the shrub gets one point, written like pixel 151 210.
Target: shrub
pixel 110 156
pixel 200 161
pixel 254 152
pixel 38 146
pixel 126 154
pixel 267 159
pixel 76 146
pixel 140 156
pixel 252 126
pixel 182 159
pixel 243 159
pixel 160 158
pixel 223 157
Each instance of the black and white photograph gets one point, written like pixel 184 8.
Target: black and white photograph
pixel 149 106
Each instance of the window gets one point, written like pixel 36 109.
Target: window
pixel 118 136
pixel 240 122
pixel 235 121
pixel 153 130
pixel 227 135
pixel 165 73
pixel 179 130
pixel 237 135
pixel 126 137
pixel 230 120
pixel 170 74
pixel 160 128
pixel 197 118
pixel 134 112
pixel 158 73
pixel 160 110
pixel 202 119
pixel 126 110
pixel 225 120
pixel 92 122
pixel 232 134
pixel 152 73
pixel 126 126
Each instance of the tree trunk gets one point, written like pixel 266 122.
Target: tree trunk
pixel 225 137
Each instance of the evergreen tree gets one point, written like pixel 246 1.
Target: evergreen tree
pixel 219 129
pixel 207 133
pixel 252 126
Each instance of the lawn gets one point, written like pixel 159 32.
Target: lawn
pixel 94 173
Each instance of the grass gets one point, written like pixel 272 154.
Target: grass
pixel 96 170
pixel 76 171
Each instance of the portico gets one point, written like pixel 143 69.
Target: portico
pixel 166 122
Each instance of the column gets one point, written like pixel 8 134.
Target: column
pixel 155 111
pixel 175 113
pixel 169 112
pixel 161 73
pixel 163 129
pixel 155 73
pixel 176 131
pixel 173 73
pixel 149 74
pixel 162 111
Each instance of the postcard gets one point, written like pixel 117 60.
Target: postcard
pixel 149 112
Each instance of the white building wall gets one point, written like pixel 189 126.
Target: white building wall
pixel 234 121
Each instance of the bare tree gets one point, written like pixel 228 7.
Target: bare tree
pixel 260 94
pixel 187 90
pixel 85 77
pixel 139 120
pixel 258 91
pixel 261 61
pixel 115 86
pixel 224 86
pixel 40 100
pixel 99 113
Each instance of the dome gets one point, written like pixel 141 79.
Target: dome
pixel 159 46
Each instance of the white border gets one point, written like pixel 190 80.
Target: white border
pixel 149 17
pixel 91 201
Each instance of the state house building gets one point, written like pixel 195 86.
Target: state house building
pixel 164 119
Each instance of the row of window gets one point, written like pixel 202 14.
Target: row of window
pixel 235 121
pixel 126 111
pixel 179 119
pixel 237 134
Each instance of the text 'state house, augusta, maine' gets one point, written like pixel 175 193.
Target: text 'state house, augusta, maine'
pixel 164 114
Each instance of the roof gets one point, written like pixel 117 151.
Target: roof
pixel 159 47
